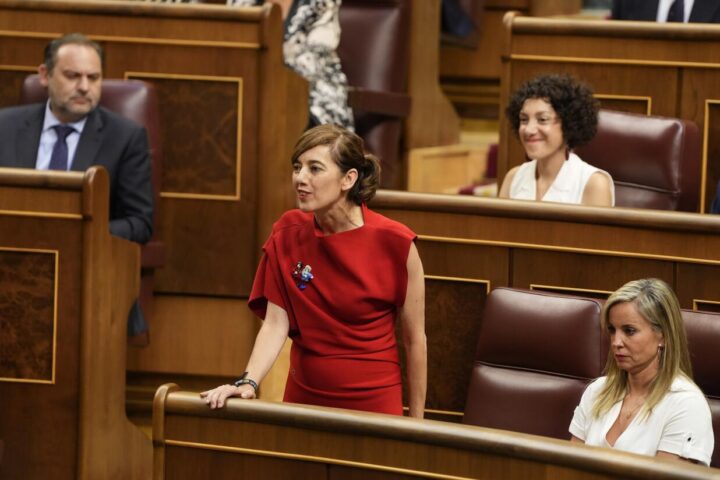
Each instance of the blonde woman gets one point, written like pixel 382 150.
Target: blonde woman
pixel 647 403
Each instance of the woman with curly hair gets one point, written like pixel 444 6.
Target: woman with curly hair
pixel 551 115
pixel 647 402
pixel 335 277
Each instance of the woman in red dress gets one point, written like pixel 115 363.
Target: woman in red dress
pixel 334 278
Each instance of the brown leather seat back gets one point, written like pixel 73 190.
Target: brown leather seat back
pixel 703 332
pixel 374 49
pixel 536 353
pixel 655 161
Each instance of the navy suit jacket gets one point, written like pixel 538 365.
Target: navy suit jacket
pixel 704 11
pixel 114 142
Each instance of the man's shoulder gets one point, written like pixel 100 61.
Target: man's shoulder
pixel 114 120
pixel 20 112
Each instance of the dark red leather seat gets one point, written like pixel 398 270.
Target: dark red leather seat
pixel 374 50
pixel 703 334
pixel 655 161
pixel 536 353
pixel 137 101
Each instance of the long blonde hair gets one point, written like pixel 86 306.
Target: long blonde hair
pixel 657 304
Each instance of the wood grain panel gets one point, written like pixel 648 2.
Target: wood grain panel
pixel 453 313
pixel 700 102
pixel 200 135
pixel 72 427
pixel 336 472
pixel 483 60
pixel 577 271
pixel 27 315
pixel 711 151
pixel 200 336
pixel 697 282
pixel 625 103
pixel 193 463
pixel 454 259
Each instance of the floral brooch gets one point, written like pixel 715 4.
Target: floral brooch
pixel 302 274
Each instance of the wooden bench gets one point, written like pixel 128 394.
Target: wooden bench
pixel 67 288
pixel 257 439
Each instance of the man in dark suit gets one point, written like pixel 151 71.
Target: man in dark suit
pixel 695 11
pixel 71 132
pixel 72 72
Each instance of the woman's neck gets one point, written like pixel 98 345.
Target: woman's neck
pixel 340 217
pixel 639 382
pixel 548 168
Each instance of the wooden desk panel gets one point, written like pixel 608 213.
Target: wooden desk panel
pixel 67 287
pixel 251 438
pixel 571 249
pixel 484 61
pixel 676 67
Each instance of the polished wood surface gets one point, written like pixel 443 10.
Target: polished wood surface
pixel 432 120
pixel 482 62
pixel 617 59
pixel 67 289
pixel 257 439
pixel 468 245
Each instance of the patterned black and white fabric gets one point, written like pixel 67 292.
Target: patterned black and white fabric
pixel 312 35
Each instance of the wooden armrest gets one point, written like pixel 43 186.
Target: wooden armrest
pixel 380 102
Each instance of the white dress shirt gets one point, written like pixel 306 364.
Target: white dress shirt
pixel 664 8
pixel 681 423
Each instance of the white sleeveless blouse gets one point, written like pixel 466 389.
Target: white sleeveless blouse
pixel 568 186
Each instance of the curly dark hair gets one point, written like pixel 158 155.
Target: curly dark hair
pixel 572 100
pixel 347 151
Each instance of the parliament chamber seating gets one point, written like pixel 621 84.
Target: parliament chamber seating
pixel 136 100
pixel 703 333
pixel 655 161
pixel 536 353
pixel 373 50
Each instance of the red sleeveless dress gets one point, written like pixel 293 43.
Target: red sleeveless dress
pixel 342 320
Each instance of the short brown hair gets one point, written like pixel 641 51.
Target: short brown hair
pixel 51 50
pixel 348 152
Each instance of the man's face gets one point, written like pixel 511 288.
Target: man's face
pixel 74 83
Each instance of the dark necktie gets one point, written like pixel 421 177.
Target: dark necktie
pixel 59 157
pixel 677 11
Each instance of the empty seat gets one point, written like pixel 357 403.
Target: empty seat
pixel 536 353
pixel 703 334
pixel 655 161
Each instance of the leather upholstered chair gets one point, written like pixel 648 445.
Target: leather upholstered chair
pixel 137 101
pixel 655 161
pixel 703 333
pixel 374 50
pixel 536 354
